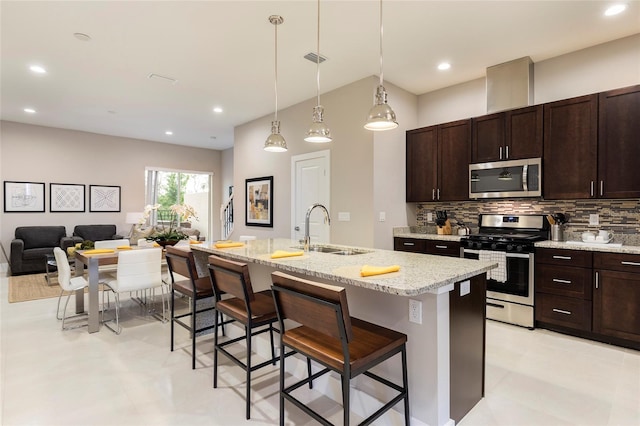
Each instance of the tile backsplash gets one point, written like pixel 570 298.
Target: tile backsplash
pixel 619 216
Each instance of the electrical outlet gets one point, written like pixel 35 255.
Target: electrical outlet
pixel 594 220
pixel 382 217
pixel 429 217
pixel 415 311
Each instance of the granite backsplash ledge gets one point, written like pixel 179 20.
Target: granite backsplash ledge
pixel 622 217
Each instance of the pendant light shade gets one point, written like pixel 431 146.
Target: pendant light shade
pixel 275 142
pixel 381 116
pixel 318 131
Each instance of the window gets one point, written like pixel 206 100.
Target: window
pixel 169 187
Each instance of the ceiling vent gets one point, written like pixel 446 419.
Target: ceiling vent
pixel 314 58
pixel 159 77
pixel 510 85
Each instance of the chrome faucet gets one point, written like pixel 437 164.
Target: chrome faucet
pixel 327 220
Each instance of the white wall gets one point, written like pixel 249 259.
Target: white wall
pixel 606 66
pixel 352 163
pixel 51 155
pixel 226 174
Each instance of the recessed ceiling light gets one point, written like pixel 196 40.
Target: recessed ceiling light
pixel 82 36
pixel 444 66
pixel 29 110
pixel 615 9
pixel 37 69
pixel 168 132
pixel 213 137
pixel 217 109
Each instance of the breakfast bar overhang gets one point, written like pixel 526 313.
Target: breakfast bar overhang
pixel 445 350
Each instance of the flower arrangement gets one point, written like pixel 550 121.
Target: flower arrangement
pixel 177 213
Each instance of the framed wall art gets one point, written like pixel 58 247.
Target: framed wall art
pixel 23 197
pixel 66 198
pixel 104 198
pixel 259 196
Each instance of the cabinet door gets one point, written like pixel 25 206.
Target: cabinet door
pixel 443 248
pixel 487 140
pixel 616 304
pixel 619 143
pixel 421 164
pixel 523 133
pixel 454 153
pixel 570 148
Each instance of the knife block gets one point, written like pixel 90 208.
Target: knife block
pixel 446 229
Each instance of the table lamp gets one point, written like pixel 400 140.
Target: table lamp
pixel 133 218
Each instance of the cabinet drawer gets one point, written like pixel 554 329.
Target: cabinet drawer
pixel 443 248
pixel 575 258
pixel 617 262
pixel 564 281
pixel 409 244
pixel 563 311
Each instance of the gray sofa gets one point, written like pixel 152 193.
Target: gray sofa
pixel 91 233
pixel 31 245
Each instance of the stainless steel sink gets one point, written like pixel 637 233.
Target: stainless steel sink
pixel 334 250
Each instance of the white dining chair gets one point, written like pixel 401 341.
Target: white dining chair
pixel 137 270
pixel 67 283
pixel 102 244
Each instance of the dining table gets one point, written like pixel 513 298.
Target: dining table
pixel 92 262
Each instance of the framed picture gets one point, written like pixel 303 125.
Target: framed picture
pixel 259 194
pixel 104 198
pixel 66 198
pixel 23 197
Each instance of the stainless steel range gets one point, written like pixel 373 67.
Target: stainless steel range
pixel 509 241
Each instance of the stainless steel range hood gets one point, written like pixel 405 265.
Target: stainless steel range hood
pixel 510 85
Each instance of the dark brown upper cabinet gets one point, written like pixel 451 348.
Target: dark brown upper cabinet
pixel 570 148
pixel 509 135
pixel 619 143
pixel 437 163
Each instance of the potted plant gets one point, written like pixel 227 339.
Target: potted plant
pixel 169 234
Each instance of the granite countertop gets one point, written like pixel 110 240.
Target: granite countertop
pixel 421 234
pixel 419 273
pixel 627 249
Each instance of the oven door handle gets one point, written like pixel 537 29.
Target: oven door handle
pixel 519 255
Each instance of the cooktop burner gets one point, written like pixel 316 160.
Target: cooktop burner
pixel 510 233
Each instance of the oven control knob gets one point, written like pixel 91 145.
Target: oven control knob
pixel 519 248
pixel 509 247
pixel 478 245
pixel 469 244
pixel 494 246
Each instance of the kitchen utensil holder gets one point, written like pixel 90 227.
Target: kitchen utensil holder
pixel 556 233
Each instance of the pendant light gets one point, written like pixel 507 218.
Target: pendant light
pixel 318 131
pixel 275 142
pixel 381 116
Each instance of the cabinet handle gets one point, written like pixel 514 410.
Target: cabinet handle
pixel 597 277
pixel 501 153
pixel 441 247
pixel 601 188
pixel 562 257
pixel 562 311
pixel 507 151
pixel 438 194
pixel 592 188
pixel 558 280
pixel 631 263
pixel 433 194
pixel 408 244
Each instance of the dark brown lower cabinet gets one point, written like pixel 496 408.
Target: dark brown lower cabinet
pixel 467 319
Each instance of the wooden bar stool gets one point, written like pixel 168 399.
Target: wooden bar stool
pixel 181 262
pixel 255 311
pixel 340 343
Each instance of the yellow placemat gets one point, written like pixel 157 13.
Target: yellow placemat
pixel 369 270
pixel 279 254
pixel 97 251
pixel 228 245
pixel 353 271
pixel 124 247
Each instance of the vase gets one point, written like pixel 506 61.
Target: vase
pixel 167 243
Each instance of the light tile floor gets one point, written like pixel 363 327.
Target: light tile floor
pixel 50 377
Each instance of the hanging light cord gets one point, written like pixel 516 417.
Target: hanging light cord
pixel 318 58
pixel 276 68
pixel 381 30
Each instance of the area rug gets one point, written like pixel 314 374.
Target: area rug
pixel 23 288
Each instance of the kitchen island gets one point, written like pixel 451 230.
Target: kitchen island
pixel 442 347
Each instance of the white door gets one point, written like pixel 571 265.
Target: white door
pixel 310 184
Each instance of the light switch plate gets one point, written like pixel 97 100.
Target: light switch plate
pixel 429 217
pixel 344 216
pixel 382 217
pixel 594 220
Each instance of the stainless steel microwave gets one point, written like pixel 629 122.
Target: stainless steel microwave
pixel 501 179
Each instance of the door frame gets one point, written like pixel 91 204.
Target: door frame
pixel 326 154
